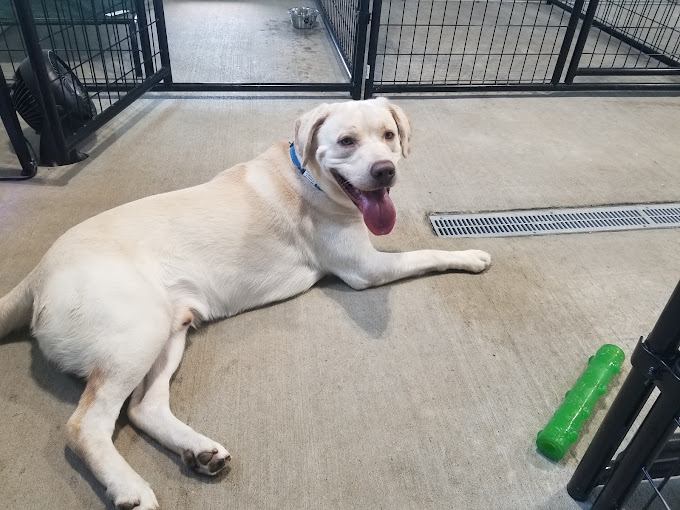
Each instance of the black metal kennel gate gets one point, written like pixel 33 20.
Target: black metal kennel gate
pixel 74 65
pixel 115 50
pixel 523 45
pixel 69 66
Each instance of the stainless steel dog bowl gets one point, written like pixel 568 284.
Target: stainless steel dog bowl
pixel 303 17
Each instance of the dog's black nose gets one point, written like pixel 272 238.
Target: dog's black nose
pixel 383 172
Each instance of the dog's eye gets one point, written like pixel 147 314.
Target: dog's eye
pixel 347 141
pixel 389 135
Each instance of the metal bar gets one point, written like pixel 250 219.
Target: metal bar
pixel 118 48
pixel 10 50
pixel 78 49
pixel 113 87
pixel 668 463
pixel 373 48
pixel 505 40
pixel 665 467
pixel 401 33
pixel 413 41
pixel 388 89
pixel 581 41
pixel 359 52
pixel 102 56
pixel 562 87
pixel 526 54
pixel 671 450
pixel 657 492
pixel 628 403
pixel 162 38
pixel 331 33
pixel 566 43
pixel 134 48
pixel 112 60
pixel 479 40
pixel 53 130
pixel 143 30
pixel 493 37
pixel 115 109
pixel 262 87
pixel 28 164
pixel 387 38
pixel 441 33
pixel 623 71
pixel 88 50
pixel 514 51
pixel 664 339
pixel 657 426
pixel 151 21
pixel 555 40
pixel 74 22
pixel 225 87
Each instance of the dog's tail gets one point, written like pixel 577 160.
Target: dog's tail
pixel 16 307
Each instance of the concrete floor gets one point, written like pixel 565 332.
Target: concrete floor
pixel 423 394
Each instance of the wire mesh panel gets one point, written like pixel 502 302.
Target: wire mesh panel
pixel 342 17
pixel 657 476
pixel 633 34
pixel 658 485
pixel 95 53
pixel 469 42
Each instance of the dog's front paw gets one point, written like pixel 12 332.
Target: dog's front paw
pixel 207 462
pixel 136 496
pixel 476 261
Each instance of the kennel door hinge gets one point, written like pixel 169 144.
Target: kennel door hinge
pixel 364 16
pixel 368 71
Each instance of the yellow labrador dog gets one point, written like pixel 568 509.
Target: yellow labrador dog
pixel 113 298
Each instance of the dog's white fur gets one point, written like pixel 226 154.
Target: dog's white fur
pixel 113 298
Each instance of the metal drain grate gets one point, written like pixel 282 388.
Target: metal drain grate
pixel 556 221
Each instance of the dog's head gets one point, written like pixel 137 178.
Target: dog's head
pixel 352 150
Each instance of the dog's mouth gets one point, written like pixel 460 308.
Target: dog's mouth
pixel 375 205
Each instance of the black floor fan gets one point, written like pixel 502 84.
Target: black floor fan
pixel 74 105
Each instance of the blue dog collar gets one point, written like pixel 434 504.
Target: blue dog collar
pixel 305 173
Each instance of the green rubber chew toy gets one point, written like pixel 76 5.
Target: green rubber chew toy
pixel 563 428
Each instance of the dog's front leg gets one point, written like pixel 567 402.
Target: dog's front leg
pixel 378 268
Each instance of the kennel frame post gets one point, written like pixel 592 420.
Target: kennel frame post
pixel 143 31
pixel 359 53
pixel 566 42
pixel 161 31
pixel 373 48
pixel 53 130
pixel 662 342
pixel 29 165
pixel 581 41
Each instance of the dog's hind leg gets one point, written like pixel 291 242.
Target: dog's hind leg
pixel 149 410
pixel 90 430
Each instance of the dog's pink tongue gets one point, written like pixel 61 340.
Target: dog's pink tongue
pixel 378 210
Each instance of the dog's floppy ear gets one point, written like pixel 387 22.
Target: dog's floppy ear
pixel 403 125
pixel 305 129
